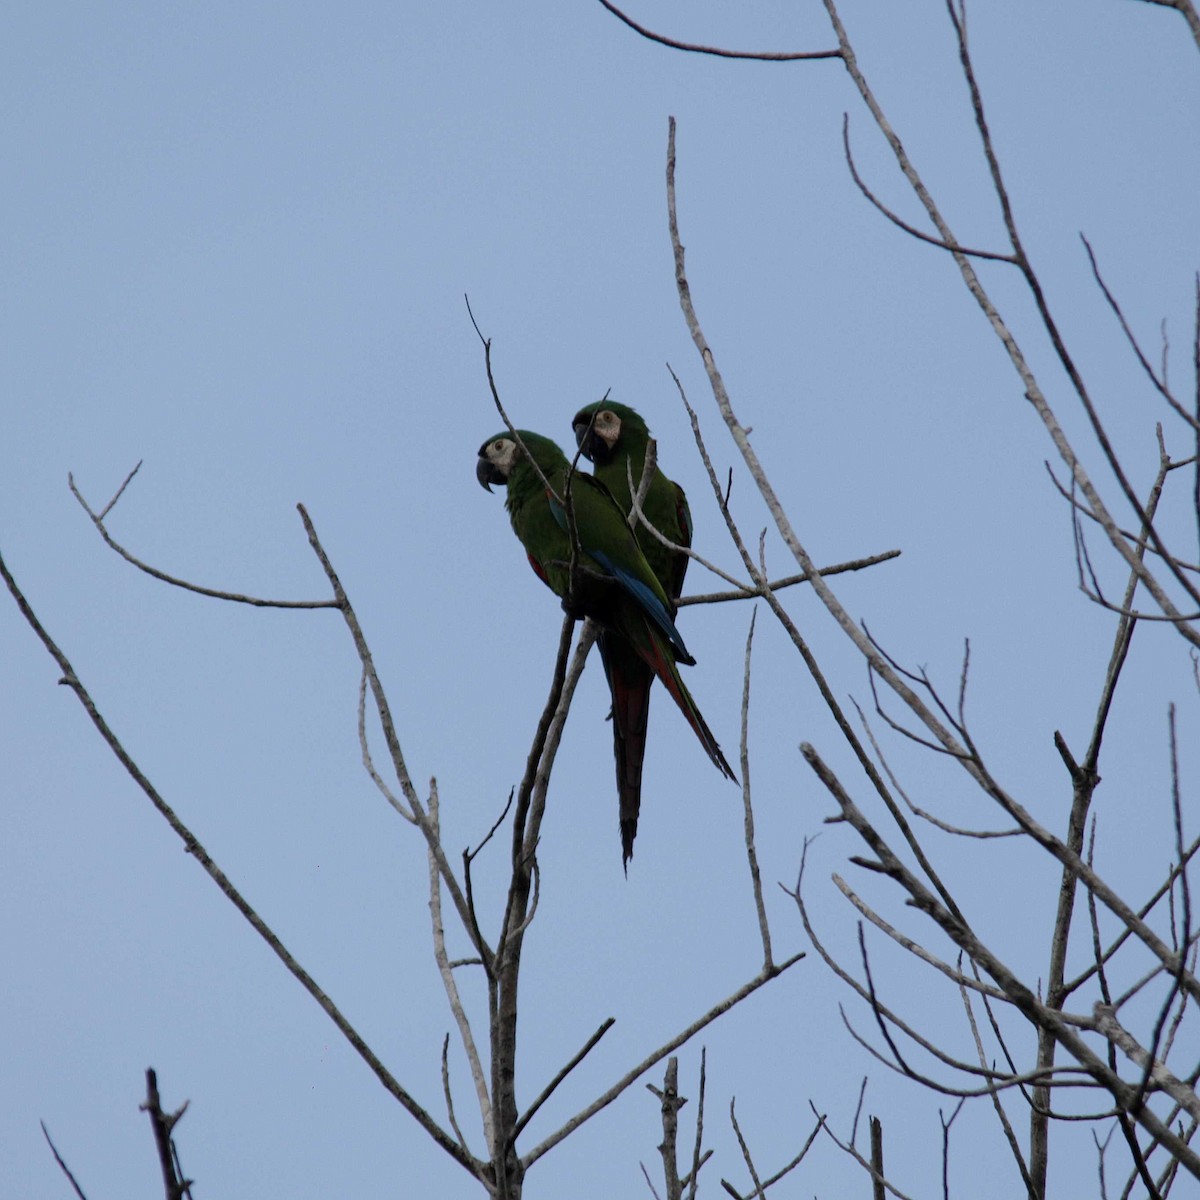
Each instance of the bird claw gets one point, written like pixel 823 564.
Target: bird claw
pixel 573 609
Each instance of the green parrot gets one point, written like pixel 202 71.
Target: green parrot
pixel 614 437
pixel 614 584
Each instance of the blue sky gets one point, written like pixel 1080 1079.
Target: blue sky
pixel 236 244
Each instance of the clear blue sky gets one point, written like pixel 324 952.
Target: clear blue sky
pixel 235 242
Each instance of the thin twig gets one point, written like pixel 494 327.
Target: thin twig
pixel 453 998
pixel 745 1149
pixel 656 1056
pixel 899 222
pixel 764 929
pixel 759 56
pixel 58 1158
pixel 693 1177
pixel 563 1072
pixel 777 585
pixel 236 597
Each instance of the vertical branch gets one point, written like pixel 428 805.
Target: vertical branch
pixel 1084 780
pixel 1196 370
pixel 693 1178
pixel 671 1103
pixel 175 1186
pixel 527 823
pixel 878 1189
pixel 751 854
pixel 446 971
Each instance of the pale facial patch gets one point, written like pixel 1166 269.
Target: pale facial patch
pixel 608 426
pixel 502 454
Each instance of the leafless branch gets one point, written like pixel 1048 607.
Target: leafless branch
pixel 486 342
pixel 850 1149
pixel 759 56
pixel 788 1167
pixel 670 1102
pixel 391 737
pixel 1187 10
pixel 563 1072
pixel 450 986
pixel 639 490
pixel 58 1158
pixel 656 1056
pixel 916 810
pixel 759 1189
pixel 787 581
pixel 1018 994
pixel 899 222
pixel 175 1186
pixel 748 821
pixel 1160 383
pixel 368 762
pixel 698 1160
pixel 196 850
pixel 449 1097
pixel 237 597
pixel 1010 1135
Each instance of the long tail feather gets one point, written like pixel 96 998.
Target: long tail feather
pixel 656 654
pixel 629 680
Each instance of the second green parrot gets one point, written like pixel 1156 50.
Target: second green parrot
pixel 616 439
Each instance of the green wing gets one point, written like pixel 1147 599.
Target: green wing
pixel 665 505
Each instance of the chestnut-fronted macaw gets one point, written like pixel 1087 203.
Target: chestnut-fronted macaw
pixel 615 438
pixel 613 583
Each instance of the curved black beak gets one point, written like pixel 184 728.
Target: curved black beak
pixel 584 437
pixel 487 474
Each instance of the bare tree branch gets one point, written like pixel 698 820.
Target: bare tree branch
pixel 193 847
pixel 1187 10
pixel 237 597
pixel 175 1186
pixel 656 1056
pixel 58 1158
pixel 787 581
pixel 760 56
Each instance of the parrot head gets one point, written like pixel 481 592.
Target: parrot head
pixel 501 455
pixel 496 458
pixel 598 428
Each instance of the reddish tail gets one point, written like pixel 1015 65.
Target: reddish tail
pixel 629 680
pixel 656 654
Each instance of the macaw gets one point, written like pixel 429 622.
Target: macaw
pixel 614 584
pixel 615 438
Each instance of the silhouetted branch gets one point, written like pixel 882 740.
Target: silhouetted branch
pixel 58 1158
pixel 776 585
pixel 175 1186
pixel 237 597
pixel 760 56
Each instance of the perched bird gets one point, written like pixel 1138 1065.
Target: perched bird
pixel 613 583
pixel 616 439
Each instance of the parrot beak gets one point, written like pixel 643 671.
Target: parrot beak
pixel 487 474
pixel 585 438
